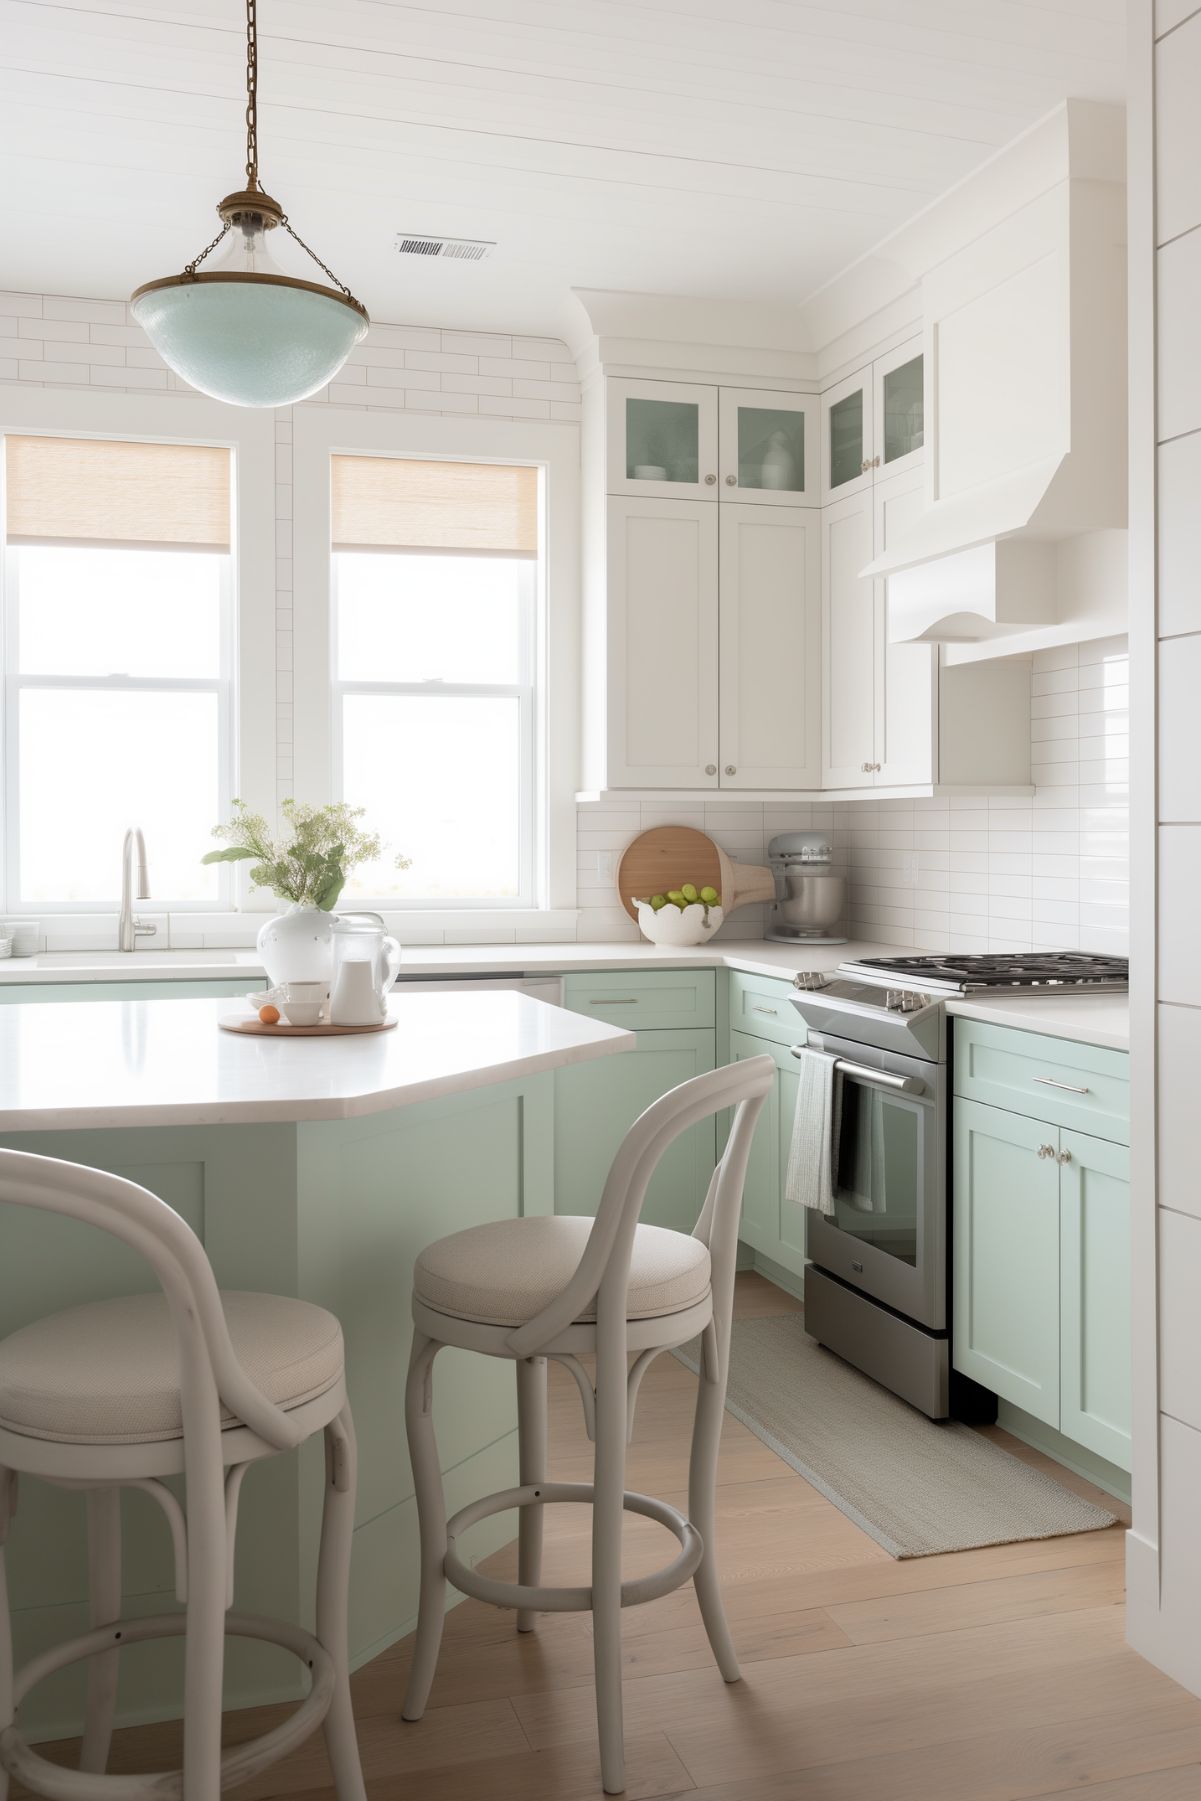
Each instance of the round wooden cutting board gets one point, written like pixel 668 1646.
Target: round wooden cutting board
pixel 669 855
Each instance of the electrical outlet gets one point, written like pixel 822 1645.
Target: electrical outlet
pixel 605 866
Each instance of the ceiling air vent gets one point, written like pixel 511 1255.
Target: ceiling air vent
pixel 461 250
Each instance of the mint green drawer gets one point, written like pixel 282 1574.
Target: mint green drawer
pixel 762 1006
pixel 645 999
pixel 1081 1086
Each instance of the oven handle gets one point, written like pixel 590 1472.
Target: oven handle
pixel 881 1077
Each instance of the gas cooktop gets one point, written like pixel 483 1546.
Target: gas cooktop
pixel 1034 971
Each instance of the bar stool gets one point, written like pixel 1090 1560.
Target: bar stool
pixel 533 1289
pixel 122 1393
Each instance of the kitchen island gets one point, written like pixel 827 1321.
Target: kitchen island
pixel 318 1168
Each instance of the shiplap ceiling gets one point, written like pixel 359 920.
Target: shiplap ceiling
pixel 745 149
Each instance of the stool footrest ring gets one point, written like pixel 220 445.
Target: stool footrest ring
pixel 522 1595
pixel 238 1764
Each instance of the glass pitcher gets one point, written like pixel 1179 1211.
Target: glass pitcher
pixel 366 964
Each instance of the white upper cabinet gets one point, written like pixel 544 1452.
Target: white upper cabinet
pixel 849 637
pixel 768 446
pixel 873 423
pixel 662 440
pixel 770 645
pixel 662 701
pixel 898 411
pixel 847 436
pixel 879 699
pixel 906 679
pixel 683 441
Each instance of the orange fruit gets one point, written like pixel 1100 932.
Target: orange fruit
pixel 269 1015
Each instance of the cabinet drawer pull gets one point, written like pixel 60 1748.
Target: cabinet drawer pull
pixel 756 1008
pixel 612 1000
pixel 1068 1087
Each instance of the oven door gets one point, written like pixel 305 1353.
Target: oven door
pixel 887 1235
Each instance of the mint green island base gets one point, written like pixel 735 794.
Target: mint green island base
pixel 334 1211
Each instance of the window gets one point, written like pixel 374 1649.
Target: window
pixel 435 586
pixel 117 656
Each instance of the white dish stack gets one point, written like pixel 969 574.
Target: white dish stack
pixel 19 937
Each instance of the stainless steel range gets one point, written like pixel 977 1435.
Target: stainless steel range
pixel 877 1288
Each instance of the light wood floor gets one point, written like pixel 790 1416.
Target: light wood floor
pixel 979 1676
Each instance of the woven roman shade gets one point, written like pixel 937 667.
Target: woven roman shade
pixel 392 503
pixel 114 491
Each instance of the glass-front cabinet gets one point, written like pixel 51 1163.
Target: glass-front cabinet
pixel 676 441
pixel 873 423
pixel 847 436
pixel 899 410
pixel 768 447
pixel 662 440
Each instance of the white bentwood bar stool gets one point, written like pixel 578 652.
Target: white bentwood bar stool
pixel 122 1393
pixel 533 1289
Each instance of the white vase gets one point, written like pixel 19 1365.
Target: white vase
pixel 298 946
pixel 779 465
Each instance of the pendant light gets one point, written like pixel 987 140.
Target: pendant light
pixel 241 330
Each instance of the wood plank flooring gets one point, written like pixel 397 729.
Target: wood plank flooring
pixel 979 1676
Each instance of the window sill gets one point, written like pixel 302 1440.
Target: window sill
pixel 232 930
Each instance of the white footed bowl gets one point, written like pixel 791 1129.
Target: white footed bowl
pixel 678 925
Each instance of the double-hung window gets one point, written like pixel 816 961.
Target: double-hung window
pixel 118 637
pixel 434 644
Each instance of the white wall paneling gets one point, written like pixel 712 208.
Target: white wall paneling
pixel 1164 1545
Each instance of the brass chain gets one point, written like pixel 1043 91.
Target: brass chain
pixel 252 94
pixel 287 225
pixel 190 268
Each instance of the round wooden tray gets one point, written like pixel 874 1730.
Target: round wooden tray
pixel 668 855
pixel 251 1026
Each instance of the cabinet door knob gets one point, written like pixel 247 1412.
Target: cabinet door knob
pixel 1065 1156
pixel 709 480
pixel 730 769
pixel 866 768
pixel 864 466
pixel 710 768
pixel 875 462
pixel 731 481
pixel 1046 1150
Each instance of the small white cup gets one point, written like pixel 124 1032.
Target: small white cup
pixel 302 1003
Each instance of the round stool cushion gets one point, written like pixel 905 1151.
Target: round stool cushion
pixel 108 1373
pixel 505 1272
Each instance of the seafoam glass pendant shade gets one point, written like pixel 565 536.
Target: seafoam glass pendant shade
pixel 242 330
pixel 252 341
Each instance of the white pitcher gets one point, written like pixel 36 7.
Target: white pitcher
pixel 366 964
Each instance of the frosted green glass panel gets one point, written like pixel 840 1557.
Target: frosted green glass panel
pixel 771 449
pixel 904 421
pixel 662 440
pixel 846 439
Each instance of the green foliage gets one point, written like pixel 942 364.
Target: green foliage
pixel 310 863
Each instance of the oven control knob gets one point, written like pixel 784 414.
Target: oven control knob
pixel 904 1000
pixel 810 979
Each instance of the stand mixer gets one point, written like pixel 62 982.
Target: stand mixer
pixel 810 899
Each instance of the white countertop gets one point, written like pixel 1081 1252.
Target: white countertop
pixel 443 960
pixel 1087 1018
pixel 164 1063
pixel 1100 1019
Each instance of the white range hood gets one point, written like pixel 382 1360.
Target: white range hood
pixel 1021 542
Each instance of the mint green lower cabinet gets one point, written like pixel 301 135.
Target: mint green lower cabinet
pixel 597 1103
pixel 334 1212
pixel 1042 1273
pixel 1006 1260
pixel 771 1225
pixel 1094 1238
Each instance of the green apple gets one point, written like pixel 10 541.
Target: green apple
pixel 711 897
pixel 658 902
pixel 689 892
